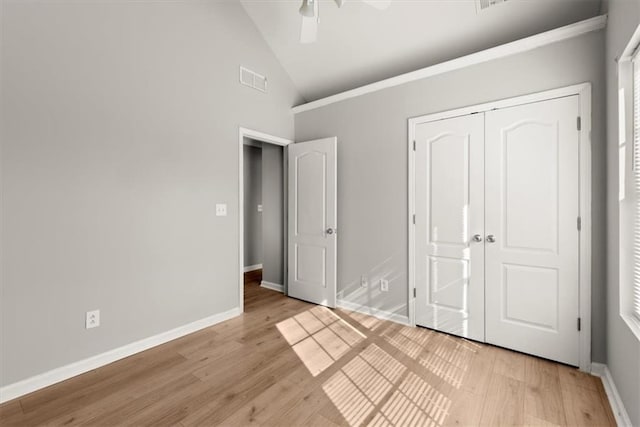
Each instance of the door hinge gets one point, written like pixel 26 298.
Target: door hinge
pixel 579 223
pixel 414 292
pixel 579 123
pixel 414 219
pixel 579 324
pixel 414 145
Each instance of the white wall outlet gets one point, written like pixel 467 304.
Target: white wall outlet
pixel 221 209
pixel 259 208
pixel 384 285
pixel 93 319
pixel 363 282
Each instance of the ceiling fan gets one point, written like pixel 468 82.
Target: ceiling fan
pixel 310 12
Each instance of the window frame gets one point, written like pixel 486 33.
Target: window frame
pixel 633 152
pixel 629 191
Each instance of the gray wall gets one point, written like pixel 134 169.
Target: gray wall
pixel 119 133
pixel 272 214
pixel 372 161
pixel 623 348
pixel 252 181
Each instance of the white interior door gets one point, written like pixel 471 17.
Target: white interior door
pixel 449 200
pixel 532 243
pixel 312 241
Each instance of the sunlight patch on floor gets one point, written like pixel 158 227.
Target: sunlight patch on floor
pixel 411 341
pixel 449 359
pixel 319 337
pixel 383 362
pixel 362 383
pixel 367 379
pixel 347 398
pixel 372 386
pixel 376 385
pixel 426 397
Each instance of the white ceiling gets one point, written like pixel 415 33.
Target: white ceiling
pixel 359 44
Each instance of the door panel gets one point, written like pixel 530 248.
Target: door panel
pixel 311 193
pixel 532 206
pixel 310 267
pixel 449 211
pixel 312 245
pixel 530 216
pixel 526 290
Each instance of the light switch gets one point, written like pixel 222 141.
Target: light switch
pixel 221 209
pixel 259 208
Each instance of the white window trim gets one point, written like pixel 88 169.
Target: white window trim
pixel 627 209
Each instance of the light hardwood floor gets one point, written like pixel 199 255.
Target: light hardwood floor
pixel 288 363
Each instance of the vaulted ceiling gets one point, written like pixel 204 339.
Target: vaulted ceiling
pixel 359 44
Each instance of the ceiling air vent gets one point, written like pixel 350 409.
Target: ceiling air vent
pixel 485 4
pixel 253 79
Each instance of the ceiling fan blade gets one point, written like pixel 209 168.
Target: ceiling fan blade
pixel 378 4
pixel 309 30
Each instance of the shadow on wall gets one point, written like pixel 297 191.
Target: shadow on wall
pixel 371 297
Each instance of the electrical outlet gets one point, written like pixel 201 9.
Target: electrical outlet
pixel 93 319
pixel 221 209
pixel 363 282
pixel 259 208
pixel 384 285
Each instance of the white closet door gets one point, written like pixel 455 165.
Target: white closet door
pixel 313 220
pixel 449 212
pixel 532 207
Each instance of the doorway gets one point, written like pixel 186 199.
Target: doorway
pixel 297 257
pixel 262 211
pixel 499 246
pixel 264 207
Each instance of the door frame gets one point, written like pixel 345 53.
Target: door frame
pixel 269 139
pixel 583 91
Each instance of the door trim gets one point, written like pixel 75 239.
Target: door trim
pixel 583 91
pixel 270 139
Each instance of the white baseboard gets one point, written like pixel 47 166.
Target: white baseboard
pixel 46 379
pixel 254 267
pixel 602 371
pixel 380 314
pixel 273 286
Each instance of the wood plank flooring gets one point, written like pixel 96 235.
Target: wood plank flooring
pixel 289 363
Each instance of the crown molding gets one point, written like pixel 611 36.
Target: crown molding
pixel 519 46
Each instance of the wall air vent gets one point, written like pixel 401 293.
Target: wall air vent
pixel 253 79
pixel 485 4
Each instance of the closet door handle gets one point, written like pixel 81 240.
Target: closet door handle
pixel 491 238
pixel 477 238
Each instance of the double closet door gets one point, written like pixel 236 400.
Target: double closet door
pixel 497 239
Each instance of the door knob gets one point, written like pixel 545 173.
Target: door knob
pixel 330 230
pixel 477 238
pixel 491 238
